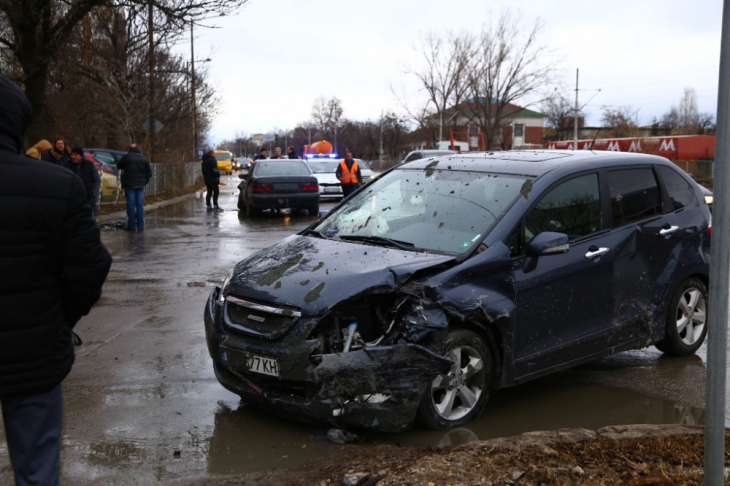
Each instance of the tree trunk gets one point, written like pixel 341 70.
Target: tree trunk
pixel 41 124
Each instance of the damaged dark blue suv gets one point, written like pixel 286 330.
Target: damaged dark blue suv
pixel 446 279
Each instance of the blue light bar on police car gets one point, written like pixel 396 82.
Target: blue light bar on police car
pixel 321 156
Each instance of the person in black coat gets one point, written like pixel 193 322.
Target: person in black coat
pixel 53 265
pixel 212 177
pixel 137 172
pixel 291 153
pixel 86 170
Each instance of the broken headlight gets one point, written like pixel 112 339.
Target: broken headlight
pixel 224 287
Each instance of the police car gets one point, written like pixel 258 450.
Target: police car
pixel 324 167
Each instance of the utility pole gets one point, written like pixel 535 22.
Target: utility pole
pixel 381 135
pixel 719 272
pixel 150 113
pixel 441 125
pixel 575 119
pixel 192 90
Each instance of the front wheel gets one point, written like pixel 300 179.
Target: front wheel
pixel 686 325
pixel 460 395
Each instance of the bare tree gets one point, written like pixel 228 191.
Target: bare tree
pixel 443 77
pixel 685 118
pixel 510 64
pixel 327 116
pixel 619 121
pixel 560 115
pixel 32 32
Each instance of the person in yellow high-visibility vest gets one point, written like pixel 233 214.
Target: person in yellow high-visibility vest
pixel 349 175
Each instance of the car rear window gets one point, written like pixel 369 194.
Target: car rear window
pixel 279 167
pixel 634 195
pixel 681 194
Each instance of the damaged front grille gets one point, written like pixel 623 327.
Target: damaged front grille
pixel 258 319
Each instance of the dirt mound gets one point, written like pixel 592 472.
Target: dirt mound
pixel 618 455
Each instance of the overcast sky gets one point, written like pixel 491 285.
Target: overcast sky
pixel 275 57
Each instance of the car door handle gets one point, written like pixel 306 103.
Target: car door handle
pixel 595 252
pixel 668 231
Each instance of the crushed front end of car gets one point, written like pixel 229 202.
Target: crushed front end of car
pixel 359 350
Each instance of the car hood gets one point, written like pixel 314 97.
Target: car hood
pixel 314 274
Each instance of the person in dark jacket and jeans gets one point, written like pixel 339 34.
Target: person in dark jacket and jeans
pixel 86 170
pixel 53 265
pixel 212 177
pixel 137 172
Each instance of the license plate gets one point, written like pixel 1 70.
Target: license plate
pixel 262 364
pixel 331 189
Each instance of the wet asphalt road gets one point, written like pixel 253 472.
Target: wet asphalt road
pixel 143 386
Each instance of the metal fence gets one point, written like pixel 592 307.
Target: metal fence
pixel 166 178
pixel 700 170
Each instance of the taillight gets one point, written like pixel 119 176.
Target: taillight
pixel 262 187
pixel 308 186
pixel 709 227
pixel 107 169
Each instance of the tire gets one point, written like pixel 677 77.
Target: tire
pixel 241 203
pixel 313 210
pixel 686 326
pixel 451 400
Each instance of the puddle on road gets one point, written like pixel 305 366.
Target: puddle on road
pixel 246 440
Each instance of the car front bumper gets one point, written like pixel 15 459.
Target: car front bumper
pixel 378 387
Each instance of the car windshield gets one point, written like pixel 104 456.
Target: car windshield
pixel 277 167
pixel 323 167
pixel 437 210
pixel 222 156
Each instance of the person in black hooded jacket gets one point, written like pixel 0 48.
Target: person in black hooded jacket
pixel 52 267
pixel 212 177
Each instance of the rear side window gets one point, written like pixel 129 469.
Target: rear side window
pixel 634 195
pixel 573 208
pixel 680 192
pixel 415 156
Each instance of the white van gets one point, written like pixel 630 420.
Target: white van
pixel 458 146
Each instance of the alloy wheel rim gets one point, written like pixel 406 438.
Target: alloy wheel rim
pixel 457 392
pixel 691 316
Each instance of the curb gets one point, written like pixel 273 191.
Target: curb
pixel 149 208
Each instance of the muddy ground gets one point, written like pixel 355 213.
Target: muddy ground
pixel 616 455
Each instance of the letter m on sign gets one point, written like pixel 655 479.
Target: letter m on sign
pixel 613 146
pixel 667 145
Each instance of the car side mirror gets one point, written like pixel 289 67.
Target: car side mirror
pixel 548 243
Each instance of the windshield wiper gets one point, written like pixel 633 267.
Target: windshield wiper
pixel 313 232
pixel 379 240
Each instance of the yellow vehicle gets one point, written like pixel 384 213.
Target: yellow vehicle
pixel 225 161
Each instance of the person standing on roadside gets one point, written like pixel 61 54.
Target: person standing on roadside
pixel 53 265
pixel 291 153
pixel 263 154
pixel 349 175
pixel 212 177
pixel 59 153
pixel 137 172
pixel 86 170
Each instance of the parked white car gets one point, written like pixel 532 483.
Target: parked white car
pixel 324 169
